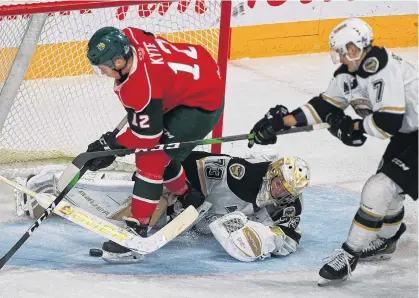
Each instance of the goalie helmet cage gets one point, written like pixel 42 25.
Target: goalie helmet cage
pixel 51 104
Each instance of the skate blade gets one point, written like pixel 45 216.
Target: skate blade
pixel 329 282
pixel 127 258
pixel 375 258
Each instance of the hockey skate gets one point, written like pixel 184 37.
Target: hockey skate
pixel 339 266
pixel 118 254
pixel 382 248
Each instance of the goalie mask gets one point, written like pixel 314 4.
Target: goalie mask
pixel 285 179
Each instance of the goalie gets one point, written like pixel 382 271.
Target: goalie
pixel 256 207
pixel 251 206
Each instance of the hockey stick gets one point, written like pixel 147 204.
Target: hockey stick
pixel 51 207
pixel 82 158
pixel 107 229
pixel 73 169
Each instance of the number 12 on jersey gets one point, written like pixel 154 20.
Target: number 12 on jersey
pixel 177 67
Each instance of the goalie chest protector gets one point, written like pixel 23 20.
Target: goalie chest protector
pixel 233 183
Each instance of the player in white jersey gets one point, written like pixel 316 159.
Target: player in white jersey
pixel 256 207
pixel 382 89
pixel 253 206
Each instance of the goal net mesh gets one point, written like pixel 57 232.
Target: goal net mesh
pixel 60 105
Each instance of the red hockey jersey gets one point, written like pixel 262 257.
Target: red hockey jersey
pixel 175 73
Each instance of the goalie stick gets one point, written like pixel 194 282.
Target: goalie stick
pixel 125 211
pixel 107 229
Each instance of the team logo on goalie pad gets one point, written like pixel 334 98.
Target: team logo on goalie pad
pixel 237 171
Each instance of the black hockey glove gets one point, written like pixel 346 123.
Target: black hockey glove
pixel 342 127
pixel 191 197
pixel 106 142
pixel 265 129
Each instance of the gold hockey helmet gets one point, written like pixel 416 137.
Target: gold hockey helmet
pixel 284 181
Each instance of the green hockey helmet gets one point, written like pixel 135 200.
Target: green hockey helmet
pixel 105 45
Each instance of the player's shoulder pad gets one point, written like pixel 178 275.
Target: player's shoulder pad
pixel 237 167
pixel 374 62
pixel 136 35
pixel 343 69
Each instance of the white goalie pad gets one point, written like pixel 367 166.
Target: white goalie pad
pixel 244 240
pixel 102 193
pixel 284 245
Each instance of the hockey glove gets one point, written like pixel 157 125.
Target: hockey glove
pixel 192 197
pixel 265 129
pixel 106 142
pixel 342 127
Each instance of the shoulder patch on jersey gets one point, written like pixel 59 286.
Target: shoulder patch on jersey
pixel 289 211
pixel 375 61
pixel 371 65
pixel 237 170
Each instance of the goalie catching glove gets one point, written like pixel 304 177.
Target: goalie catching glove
pixel 247 240
pixel 106 142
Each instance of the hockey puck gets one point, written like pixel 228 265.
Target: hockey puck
pixel 95 252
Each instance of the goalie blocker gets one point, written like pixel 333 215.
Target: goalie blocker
pixel 255 203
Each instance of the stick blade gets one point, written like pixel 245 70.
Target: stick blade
pixel 179 224
pixel 67 176
pixel 159 239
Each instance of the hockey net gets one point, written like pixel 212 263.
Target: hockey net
pixel 51 104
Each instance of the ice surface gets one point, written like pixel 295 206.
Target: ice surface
pixel 55 262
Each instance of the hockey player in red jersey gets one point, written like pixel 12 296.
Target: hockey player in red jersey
pixel 172 92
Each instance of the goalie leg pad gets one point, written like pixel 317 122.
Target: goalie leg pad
pixel 244 240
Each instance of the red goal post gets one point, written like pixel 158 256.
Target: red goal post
pixel 51 104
